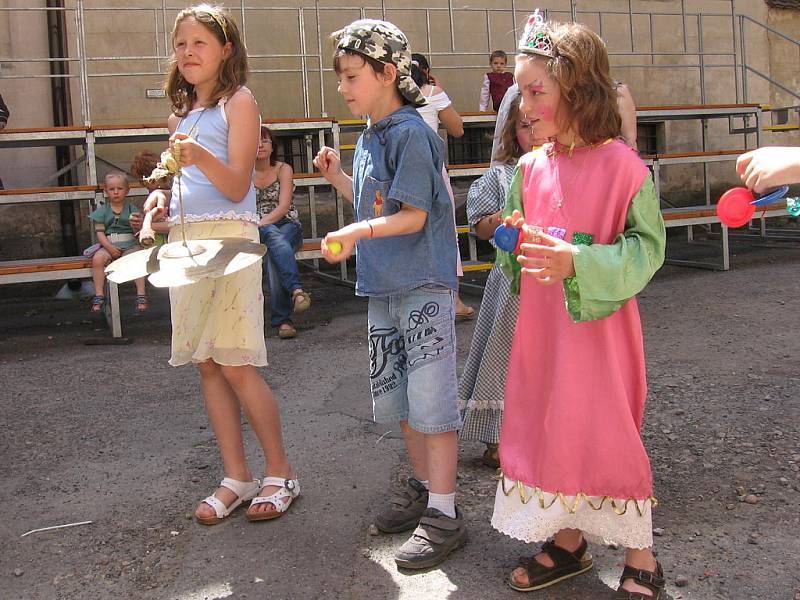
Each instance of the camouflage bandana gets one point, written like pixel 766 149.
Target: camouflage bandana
pixel 384 42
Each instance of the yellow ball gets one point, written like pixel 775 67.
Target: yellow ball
pixel 334 247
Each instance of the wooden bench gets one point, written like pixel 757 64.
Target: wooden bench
pixel 80 267
pixel 59 268
pixel 656 161
pixel 48 194
pixel 63 267
pixel 707 215
pixel 469 170
pixel 310 249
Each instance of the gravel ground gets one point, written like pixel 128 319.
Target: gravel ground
pixel 112 434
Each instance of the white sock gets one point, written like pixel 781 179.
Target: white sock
pixel 444 502
pixel 425 482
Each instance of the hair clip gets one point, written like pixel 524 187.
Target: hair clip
pixel 535 40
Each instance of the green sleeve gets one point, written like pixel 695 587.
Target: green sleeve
pixel 608 275
pixel 99 214
pixel 506 260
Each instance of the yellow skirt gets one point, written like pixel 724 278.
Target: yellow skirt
pixel 219 319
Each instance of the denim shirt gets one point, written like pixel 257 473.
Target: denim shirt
pixel 398 160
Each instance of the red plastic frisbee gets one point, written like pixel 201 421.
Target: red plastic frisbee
pixel 734 208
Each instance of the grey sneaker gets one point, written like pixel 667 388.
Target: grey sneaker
pixel 405 510
pixel 432 541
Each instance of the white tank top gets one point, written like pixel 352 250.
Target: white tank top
pixel 201 200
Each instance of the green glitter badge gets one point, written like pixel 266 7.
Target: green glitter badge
pixel 578 237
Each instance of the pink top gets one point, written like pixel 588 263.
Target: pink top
pixel 575 392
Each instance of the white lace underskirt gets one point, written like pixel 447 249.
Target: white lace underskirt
pixel 532 515
pixel 230 215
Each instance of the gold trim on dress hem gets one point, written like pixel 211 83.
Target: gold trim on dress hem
pixel 620 508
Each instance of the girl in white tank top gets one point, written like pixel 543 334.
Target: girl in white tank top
pixel 218 324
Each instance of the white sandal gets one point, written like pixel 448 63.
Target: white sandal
pixel 281 500
pixel 244 490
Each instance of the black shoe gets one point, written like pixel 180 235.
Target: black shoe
pixel 436 536
pixel 405 510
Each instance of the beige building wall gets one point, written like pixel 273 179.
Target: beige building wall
pixel 128 41
pixel 31 228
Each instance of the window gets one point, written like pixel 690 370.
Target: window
pixel 474 147
pixel 650 137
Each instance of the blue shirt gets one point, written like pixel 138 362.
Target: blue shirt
pixel 397 161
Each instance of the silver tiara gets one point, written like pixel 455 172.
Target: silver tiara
pixel 535 40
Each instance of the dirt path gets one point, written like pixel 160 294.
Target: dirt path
pixel 114 435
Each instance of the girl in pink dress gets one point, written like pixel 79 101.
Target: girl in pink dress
pixel 572 458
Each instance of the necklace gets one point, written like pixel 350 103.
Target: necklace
pixel 563 191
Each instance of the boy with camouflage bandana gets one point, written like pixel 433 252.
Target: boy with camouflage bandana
pixel 405 250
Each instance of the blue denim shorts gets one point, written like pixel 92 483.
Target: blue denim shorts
pixel 412 351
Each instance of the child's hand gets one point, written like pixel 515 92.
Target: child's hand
pixel 767 168
pixel 548 259
pixel 335 241
pixel 114 252
pixel 191 151
pixel 328 162
pixel 340 245
pixel 515 220
pixel 136 221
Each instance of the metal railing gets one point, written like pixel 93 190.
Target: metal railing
pixel 697 55
pixel 747 68
pixel 311 64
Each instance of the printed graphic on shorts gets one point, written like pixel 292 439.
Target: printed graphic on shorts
pixel 425 339
pixel 386 349
pixel 422 316
pixel 377 206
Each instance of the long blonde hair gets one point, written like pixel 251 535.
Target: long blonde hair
pixel 232 73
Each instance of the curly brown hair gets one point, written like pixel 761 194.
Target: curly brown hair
pixel 508 149
pixel 580 67
pixel 232 73
pixel 143 163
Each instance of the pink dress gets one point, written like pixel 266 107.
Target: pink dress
pixel 570 446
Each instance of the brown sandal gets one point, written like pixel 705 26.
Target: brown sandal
pixel 301 301
pixel 567 564
pixel 286 331
pixel 652 580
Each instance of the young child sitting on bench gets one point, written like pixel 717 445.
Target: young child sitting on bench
pixel 112 225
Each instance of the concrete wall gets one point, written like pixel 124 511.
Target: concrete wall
pixel 117 88
pixel 26 229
